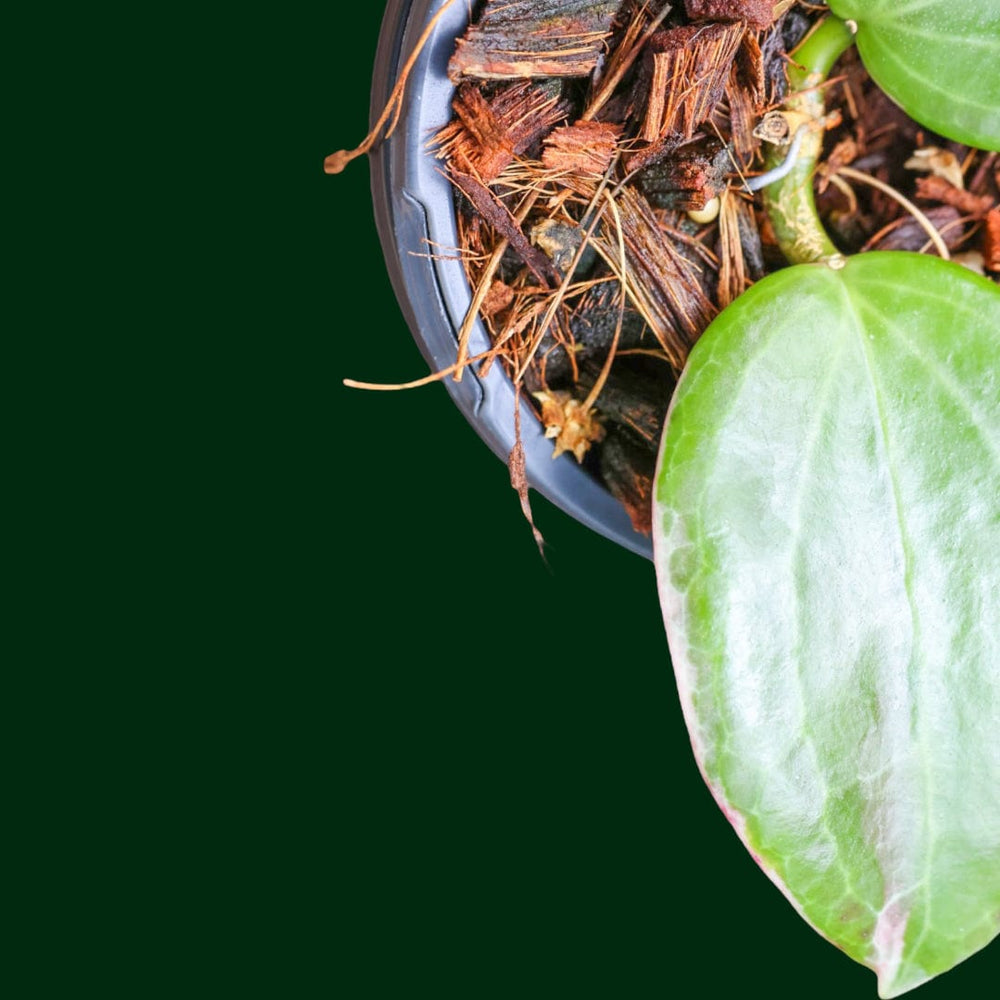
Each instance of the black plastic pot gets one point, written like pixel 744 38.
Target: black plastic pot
pixel 414 204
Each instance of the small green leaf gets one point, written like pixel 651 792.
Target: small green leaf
pixel 827 542
pixel 937 59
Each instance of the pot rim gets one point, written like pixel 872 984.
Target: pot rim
pixel 413 204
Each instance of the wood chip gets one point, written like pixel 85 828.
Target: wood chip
pixel 751 71
pixel 744 113
pixel 733 280
pixel 663 285
pixel 585 148
pixel 690 68
pixel 908 234
pixel 628 472
pixel 498 298
pixel 533 38
pixel 991 241
pixel 936 188
pixel 690 178
pixel 486 135
pixel 758 14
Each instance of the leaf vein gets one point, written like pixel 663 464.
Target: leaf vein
pixel 947 384
pixel 926 82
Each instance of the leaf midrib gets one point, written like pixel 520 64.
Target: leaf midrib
pixel 854 311
pixel 796 561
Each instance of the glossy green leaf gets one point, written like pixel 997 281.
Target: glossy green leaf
pixel 827 542
pixel 938 59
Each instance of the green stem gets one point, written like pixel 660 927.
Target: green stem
pixel 790 203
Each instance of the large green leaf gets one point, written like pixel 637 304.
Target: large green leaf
pixel 937 59
pixel 827 542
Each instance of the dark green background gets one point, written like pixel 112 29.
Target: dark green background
pixel 506 799
pixel 306 715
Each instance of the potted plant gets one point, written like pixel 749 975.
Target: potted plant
pixel 826 538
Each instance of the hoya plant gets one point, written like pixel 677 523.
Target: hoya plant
pixel 827 536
